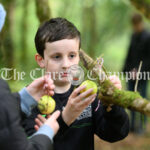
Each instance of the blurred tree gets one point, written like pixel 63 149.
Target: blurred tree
pixel 143 6
pixel 7 35
pixel 43 10
pixel 103 21
pixel 89 26
pixel 24 26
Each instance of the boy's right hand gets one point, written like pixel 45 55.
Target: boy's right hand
pixel 51 121
pixel 76 104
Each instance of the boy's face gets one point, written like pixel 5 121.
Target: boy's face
pixel 59 56
pixel 138 27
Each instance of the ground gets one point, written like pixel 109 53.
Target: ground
pixel 131 142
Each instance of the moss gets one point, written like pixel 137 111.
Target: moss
pixel 109 94
pixel 120 97
pixel 125 98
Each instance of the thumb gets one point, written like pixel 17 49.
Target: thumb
pixel 55 115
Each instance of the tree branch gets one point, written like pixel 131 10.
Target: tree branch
pixel 109 94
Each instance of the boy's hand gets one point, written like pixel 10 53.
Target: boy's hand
pixel 51 121
pixel 76 104
pixel 41 86
pixel 116 81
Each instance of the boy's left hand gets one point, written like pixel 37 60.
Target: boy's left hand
pixel 116 81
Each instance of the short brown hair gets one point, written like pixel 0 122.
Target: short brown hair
pixel 53 30
pixel 136 19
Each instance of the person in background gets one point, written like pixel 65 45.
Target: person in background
pixel 139 50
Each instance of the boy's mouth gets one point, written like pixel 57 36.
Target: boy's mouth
pixel 64 74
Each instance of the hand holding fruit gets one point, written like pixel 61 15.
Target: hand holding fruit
pixel 79 99
pixel 36 89
pixel 89 84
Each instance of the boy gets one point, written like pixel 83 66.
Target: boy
pixel 58 42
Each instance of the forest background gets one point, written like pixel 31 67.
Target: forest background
pixel 105 29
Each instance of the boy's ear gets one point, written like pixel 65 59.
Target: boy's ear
pixel 39 59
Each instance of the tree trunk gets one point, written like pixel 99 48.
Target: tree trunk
pixel 110 94
pixel 43 10
pixel 89 25
pixel 7 35
pixel 24 26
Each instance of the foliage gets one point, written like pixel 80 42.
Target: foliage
pixel 104 26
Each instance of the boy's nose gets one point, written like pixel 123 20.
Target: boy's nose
pixel 65 63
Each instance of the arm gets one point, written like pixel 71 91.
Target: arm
pixel 110 126
pixel 113 125
pixel 11 130
pixel 27 101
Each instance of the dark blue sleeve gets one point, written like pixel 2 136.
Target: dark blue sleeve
pixel 110 126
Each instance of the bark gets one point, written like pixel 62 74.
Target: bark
pixel 143 6
pixel 24 32
pixel 89 26
pixel 43 10
pixel 7 35
pixel 110 94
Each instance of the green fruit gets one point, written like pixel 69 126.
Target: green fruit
pixel 46 105
pixel 89 84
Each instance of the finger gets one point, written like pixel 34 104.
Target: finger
pixel 118 86
pixel 87 101
pixel 48 76
pixel 55 115
pixel 52 86
pixel 49 86
pixel 36 127
pixel 83 95
pixel 41 118
pixel 38 122
pixel 49 82
pixel 77 91
pixel 48 116
pixel 51 93
pixel 113 78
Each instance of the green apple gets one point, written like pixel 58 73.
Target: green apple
pixel 46 104
pixel 89 84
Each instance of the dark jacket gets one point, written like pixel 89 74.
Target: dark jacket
pixel 139 50
pixel 110 126
pixel 12 136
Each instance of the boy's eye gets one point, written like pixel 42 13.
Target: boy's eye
pixel 72 55
pixel 56 57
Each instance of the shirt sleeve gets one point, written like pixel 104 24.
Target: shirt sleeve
pixel 110 126
pixel 45 130
pixel 27 101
